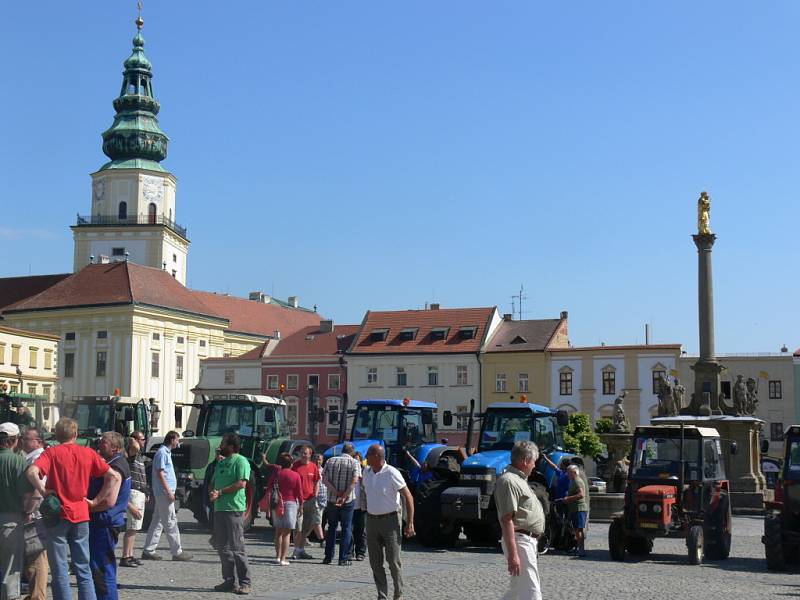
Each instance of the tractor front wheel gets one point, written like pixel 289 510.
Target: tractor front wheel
pixel 773 543
pixel 431 530
pixel 694 543
pixel 720 527
pixel 616 540
pixel 639 546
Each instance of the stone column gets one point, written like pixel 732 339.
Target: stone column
pixel 706 369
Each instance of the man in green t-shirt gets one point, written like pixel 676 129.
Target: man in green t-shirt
pixel 13 487
pixel 230 501
pixel 577 500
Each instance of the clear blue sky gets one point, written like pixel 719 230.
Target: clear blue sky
pixel 373 155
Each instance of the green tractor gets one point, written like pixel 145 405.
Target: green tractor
pixel 98 414
pixel 16 408
pixel 782 515
pixel 261 424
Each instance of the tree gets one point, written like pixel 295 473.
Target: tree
pixel 579 437
pixel 603 425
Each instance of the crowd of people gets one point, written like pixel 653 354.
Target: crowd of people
pixel 62 508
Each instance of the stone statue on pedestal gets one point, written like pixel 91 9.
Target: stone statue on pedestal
pixel 740 396
pixel 621 424
pixel 752 395
pixel 666 398
pixel 704 214
pixel 677 396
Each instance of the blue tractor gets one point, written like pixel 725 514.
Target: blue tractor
pixel 466 501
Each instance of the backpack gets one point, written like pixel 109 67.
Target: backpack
pixel 276 499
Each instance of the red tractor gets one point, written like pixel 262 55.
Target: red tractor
pixel 782 517
pixel 676 488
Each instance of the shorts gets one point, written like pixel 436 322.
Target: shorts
pixel 137 499
pixel 289 518
pixel 310 517
pixel 578 519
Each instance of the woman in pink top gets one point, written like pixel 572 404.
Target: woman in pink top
pixel 290 485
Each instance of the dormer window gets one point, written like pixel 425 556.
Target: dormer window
pixel 519 340
pixel 408 334
pixel 439 333
pixel 378 335
pixel 468 333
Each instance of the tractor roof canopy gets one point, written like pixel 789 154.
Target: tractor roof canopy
pixel 396 402
pixel 674 431
pixel 254 398
pixel 537 408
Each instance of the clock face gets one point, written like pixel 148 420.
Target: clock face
pixel 99 188
pixel 152 189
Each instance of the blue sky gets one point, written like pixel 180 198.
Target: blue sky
pixel 367 155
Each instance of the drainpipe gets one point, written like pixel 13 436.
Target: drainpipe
pixel 480 382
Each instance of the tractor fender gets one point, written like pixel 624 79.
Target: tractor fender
pixel 431 454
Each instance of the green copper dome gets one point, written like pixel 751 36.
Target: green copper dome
pixel 135 140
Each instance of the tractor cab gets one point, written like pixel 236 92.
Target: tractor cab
pixel 98 414
pixel 400 426
pixel 677 487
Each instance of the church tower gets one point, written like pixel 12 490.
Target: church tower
pixel 133 213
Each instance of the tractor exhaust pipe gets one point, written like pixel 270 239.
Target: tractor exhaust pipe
pixel 681 476
pixel 470 424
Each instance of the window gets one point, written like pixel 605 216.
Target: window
pixel 407 334
pixel 439 333
pixel 48 359
pixel 33 358
pixel 179 367
pixel 433 375
pixel 657 375
pixel 151 214
pixel 500 382
pixel 180 339
pixel 522 383
pixel 333 381
pixel 402 376
pixel 462 375
pixel 467 333
pixel 46 389
pixel 100 365
pixel 69 336
pixel 291 414
pixel 333 415
pixel 230 377
pixel 122 214
pixel 775 391
pixel 175 258
pixel 102 335
pixel 174 273
pixel 156 337
pixel 2 353
pixel 372 375
pixel 155 362
pixel 202 343
pixel 118 252
pixel 178 417
pixel 609 383
pixel 291 382
pixel 32 389
pixel 69 364
pixel 378 335
pixel 776 432
pixel 272 382
pixel 313 381
pixel 565 383
pixel 462 419
pixel 725 389
pixel 15 356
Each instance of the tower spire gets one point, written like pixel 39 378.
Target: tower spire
pixel 135 140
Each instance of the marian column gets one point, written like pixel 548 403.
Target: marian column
pixel 706 398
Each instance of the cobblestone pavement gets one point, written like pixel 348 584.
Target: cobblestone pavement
pixel 468 572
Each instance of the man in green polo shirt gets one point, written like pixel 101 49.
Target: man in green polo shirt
pixel 521 521
pixel 230 501
pixel 13 487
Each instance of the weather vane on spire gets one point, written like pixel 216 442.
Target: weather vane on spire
pixel 139 19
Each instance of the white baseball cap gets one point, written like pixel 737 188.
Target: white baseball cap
pixel 10 429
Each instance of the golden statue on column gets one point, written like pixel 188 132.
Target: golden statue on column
pixel 703 214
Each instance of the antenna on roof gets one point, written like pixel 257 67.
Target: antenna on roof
pixel 518 297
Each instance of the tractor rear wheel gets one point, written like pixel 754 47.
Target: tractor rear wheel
pixel 616 539
pixel 431 530
pixel 773 543
pixel 695 545
pixel 544 542
pixel 639 546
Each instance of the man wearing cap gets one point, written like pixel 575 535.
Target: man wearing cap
pixel 13 486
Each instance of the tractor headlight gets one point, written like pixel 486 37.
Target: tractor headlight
pixel 643 507
pixel 657 509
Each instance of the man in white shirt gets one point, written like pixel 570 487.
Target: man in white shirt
pixel 382 485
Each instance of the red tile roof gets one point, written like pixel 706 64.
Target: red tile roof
pixel 523 336
pixel 14 289
pixel 130 283
pixel 309 341
pixel 249 316
pixel 452 319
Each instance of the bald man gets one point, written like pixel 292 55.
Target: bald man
pixel 383 486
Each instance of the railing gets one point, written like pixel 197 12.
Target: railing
pixel 100 220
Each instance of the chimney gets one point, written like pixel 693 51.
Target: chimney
pixel 293 301
pixel 564 315
pixel 434 306
pixel 259 297
pixel 647 334
pixel 277 334
pixel 104 259
pixel 326 326
pixel 507 317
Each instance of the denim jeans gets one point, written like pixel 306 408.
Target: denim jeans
pixel 344 515
pixel 73 538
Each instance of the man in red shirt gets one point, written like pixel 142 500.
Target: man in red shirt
pixel 68 468
pixel 309 478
